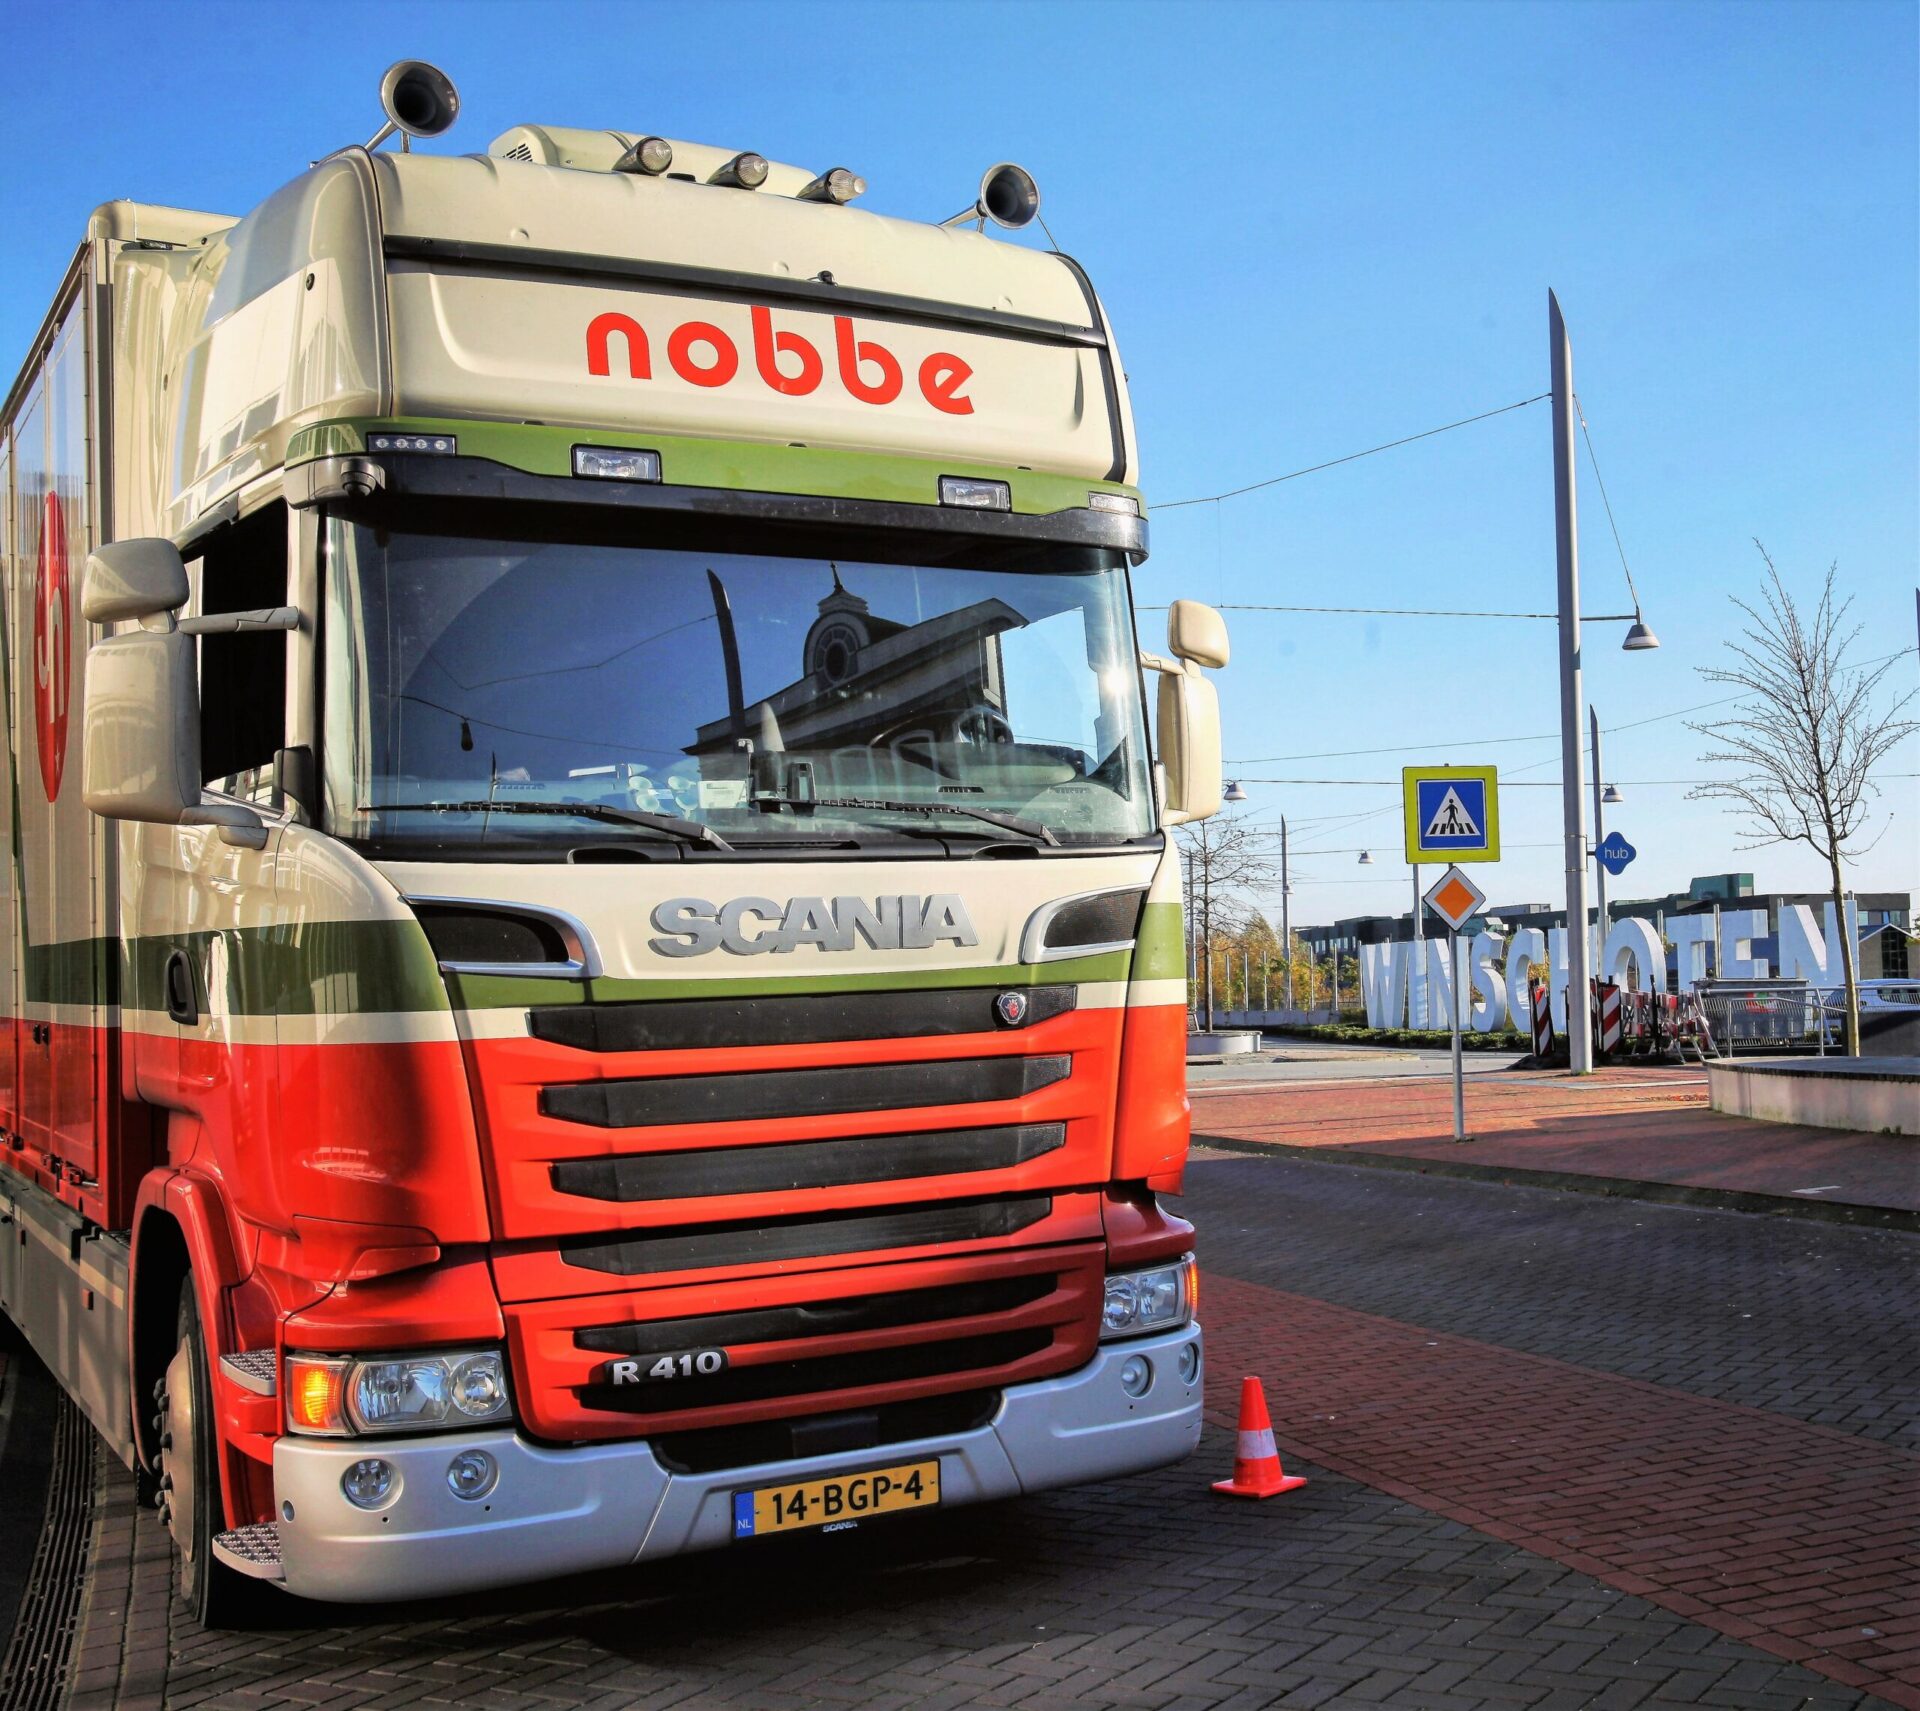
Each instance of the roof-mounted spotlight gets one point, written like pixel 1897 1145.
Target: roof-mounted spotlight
pixel 650 156
pixel 1008 197
pixel 420 101
pixel 746 171
pixel 838 185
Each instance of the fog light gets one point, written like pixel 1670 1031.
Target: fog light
pixel 370 1482
pixel 615 463
pixel 472 1474
pixel 1189 1363
pixel 970 494
pixel 1124 503
pixel 1136 1377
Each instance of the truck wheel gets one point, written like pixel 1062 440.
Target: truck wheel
pixel 189 1470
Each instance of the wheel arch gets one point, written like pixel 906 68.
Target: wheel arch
pixel 179 1233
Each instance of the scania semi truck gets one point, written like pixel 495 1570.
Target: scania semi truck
pixel 594 960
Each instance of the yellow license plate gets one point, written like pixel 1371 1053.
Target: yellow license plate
pixel 844 1498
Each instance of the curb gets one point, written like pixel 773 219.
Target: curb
pixel 1609 1187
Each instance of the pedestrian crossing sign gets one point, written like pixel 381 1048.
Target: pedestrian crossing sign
pixel 1453 813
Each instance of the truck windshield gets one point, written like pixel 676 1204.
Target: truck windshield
pixel 490 697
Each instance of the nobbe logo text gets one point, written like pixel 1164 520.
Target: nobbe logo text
pixel 755 926
pixel 704 355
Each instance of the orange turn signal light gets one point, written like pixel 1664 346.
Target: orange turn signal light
pixel 315 1393
pixel 1193 1288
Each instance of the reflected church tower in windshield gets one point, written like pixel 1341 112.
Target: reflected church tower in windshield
pixel 877 697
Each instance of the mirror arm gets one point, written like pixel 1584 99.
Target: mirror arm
pixel 1156 662
pixel 238 825
pixel 234 623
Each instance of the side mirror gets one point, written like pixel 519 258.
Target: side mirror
pixel 133 579
pixel 141 754
pixel 1198 633
pixel 1190 711
pixel 1190 746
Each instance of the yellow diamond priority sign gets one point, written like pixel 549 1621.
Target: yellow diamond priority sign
pixel 1455 898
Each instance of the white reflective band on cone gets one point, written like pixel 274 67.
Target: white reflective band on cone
pixel 1257 1446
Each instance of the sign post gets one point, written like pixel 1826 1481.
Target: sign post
pixel 1456 899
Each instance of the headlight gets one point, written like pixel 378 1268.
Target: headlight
pixel 339 1396
pixel 1141 1301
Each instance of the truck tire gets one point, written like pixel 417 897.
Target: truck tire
pixel 189 1478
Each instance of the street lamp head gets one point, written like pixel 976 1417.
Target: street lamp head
pixel 1234 793
pixel 1612 794
pixel 1366 858
pixel 1639 637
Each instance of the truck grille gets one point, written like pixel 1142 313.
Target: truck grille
pixel 700 1172
pixel 801 1019
pixel 807 1238
pixel 840 1091
pixel 838 1342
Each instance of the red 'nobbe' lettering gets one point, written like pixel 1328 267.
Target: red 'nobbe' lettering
pixel 868 369
pixel 600 331
pixel 852 355
pixel 726 360
pixel 769 347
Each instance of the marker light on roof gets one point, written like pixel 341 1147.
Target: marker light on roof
pixel 839 185
pixel 650 155
pixel 747 171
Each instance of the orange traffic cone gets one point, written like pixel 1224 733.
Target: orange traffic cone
pixel 1256 1463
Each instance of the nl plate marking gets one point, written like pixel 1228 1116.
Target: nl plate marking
pixel 843 1498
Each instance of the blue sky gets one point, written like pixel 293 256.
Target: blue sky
pixel 1316 227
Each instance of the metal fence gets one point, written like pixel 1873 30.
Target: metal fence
pixel 1773 1022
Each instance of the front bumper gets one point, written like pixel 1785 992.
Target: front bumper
pixel 562 1511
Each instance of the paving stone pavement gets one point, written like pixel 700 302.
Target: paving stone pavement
pixel 1148 1593
pixel 1816 1321
pixel 1152 1593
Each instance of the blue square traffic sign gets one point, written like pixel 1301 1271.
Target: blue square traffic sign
pixel 1453 813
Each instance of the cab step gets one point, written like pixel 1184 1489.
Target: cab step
pixel 253 1550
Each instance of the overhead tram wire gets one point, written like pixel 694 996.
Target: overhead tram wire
pixel 1600 481
pixel 1351 457
pixel 1425 747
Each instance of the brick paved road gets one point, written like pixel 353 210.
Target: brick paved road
pixel 1612 1329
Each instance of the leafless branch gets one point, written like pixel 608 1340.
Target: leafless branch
pixel 1799 750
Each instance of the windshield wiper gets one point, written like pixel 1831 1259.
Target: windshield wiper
pixel 671 824
pixel 992 816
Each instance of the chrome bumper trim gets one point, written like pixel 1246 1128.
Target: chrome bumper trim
pixel 564 1511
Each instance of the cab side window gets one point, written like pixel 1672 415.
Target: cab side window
pixel 243 678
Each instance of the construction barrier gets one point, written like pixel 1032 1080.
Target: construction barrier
pixel 1608 1015
pixel 1541 1005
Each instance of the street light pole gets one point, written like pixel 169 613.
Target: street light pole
pixel 1599 835
pixel 1567 558
pixel 1286 918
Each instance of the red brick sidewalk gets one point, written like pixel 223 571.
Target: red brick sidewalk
pixel 1801 1541
pixel 1623 1124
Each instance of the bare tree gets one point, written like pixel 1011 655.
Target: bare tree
pixel 1223 862
pixel 1805 739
